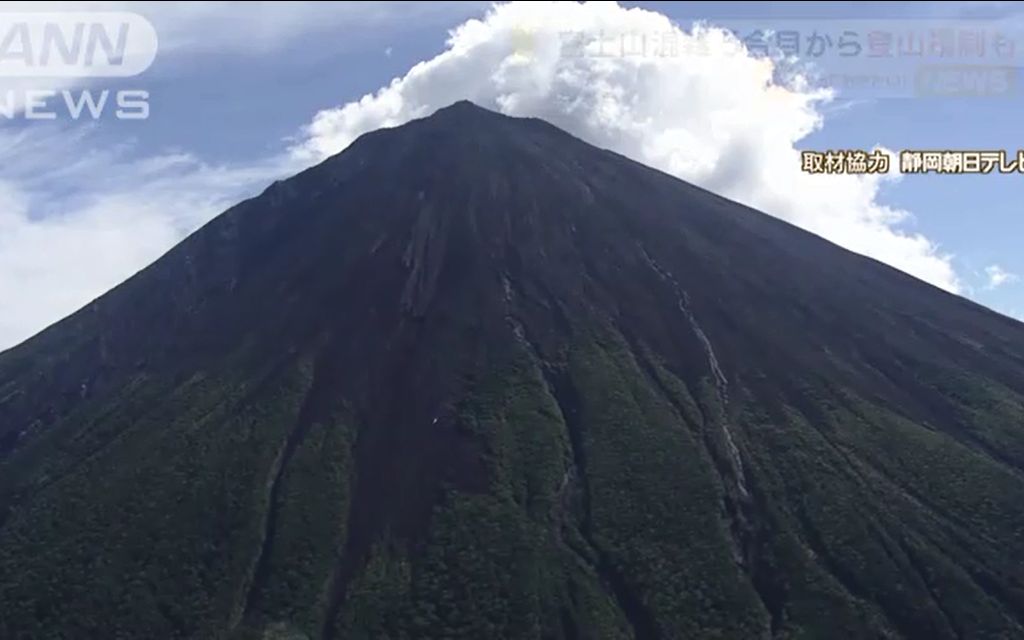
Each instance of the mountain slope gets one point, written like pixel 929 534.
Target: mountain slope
pixel 473 377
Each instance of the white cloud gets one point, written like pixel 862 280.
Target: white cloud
pixel 997 277
pixel 711 114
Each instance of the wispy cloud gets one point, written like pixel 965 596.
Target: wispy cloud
pixel 76 218
pixel 997 277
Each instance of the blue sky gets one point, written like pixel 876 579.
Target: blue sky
pixel 235 91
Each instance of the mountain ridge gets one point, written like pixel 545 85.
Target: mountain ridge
pixel 465 106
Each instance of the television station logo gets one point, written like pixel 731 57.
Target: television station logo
pixel 74 65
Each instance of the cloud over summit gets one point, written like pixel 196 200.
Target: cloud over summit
pixel 690 102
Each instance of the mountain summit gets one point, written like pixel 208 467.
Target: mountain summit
pixel 474 378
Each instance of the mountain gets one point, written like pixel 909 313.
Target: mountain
pixel 474 378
